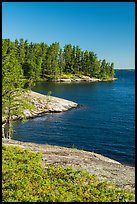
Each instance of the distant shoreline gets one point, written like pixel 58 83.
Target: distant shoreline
pixel 124 69
pixel 84 79
pixel 79 79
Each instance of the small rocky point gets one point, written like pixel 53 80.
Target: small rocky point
pixel 47 104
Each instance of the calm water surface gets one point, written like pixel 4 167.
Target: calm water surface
pixel 105 123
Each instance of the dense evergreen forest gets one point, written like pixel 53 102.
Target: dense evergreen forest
pixel 25 63
pixel 40 61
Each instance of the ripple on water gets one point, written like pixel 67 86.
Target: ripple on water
pixel 105 122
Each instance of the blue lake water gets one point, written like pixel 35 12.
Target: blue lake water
pixel 105 123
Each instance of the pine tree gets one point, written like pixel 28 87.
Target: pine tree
pixel 73 59
pixel 86 63
pixel 12 88
pixel 112 70
pixel 43 53
pixel 21 51
pixel 103 69
pixel 68 50
pixel 78 60
pixel 61 63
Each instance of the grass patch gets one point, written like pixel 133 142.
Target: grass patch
pixel 24 180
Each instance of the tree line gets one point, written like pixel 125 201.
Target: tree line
pixel 40 61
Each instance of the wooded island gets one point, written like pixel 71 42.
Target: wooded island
pixel 40 61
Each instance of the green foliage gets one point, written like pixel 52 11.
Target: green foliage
pixel 51 62
pixel 25 180
pixel 48 96
pixel 13 82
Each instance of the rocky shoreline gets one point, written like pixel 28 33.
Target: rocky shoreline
pixel 45 104
pixel 105 168
pixel 42 104
pixel 83 79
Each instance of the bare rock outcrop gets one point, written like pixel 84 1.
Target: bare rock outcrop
pixel 45 104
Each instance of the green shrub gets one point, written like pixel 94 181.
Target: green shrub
pixel 24 180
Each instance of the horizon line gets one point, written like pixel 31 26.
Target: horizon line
pixel 124 68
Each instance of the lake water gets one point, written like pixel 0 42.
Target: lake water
pixel 105 123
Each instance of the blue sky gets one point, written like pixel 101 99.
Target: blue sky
pixel 106 28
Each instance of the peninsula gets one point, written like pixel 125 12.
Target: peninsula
pixel 47 104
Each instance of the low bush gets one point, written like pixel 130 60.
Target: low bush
pixel 25 180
